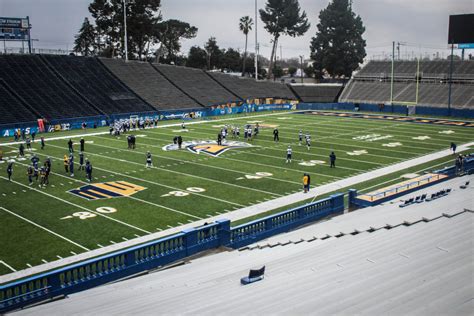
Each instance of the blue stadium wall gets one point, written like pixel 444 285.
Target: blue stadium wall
pixel 99 121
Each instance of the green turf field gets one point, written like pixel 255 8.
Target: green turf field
pixel 45 224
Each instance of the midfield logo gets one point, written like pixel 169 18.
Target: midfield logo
pixel 208 147
pixel 107 190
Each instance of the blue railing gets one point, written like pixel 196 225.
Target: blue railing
pixel 158 253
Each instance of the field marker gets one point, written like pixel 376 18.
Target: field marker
pixel 137 235
pixel 180 223
pixel 100 245
pixel 14 192
pixel 44 228
pixel 169 226
pixel 29 265
pixel 73 253
pixel 44 261
pixel 124 238
pixel 112 242
pixel 59 257
pixel 190 221
pixel 79 206
pixel 159 229
pixel 7 265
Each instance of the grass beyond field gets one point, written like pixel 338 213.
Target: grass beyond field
pixel 45 224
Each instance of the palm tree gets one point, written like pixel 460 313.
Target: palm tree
pixel 245 26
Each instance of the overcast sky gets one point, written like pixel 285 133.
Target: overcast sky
pixel 422 24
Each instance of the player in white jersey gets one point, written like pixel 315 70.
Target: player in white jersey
pixel 308 140
pixel 300 137
pixel 289 152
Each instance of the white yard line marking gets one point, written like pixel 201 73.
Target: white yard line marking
pixel 44 261
pixel 44 228
pixel 7 265
pixel 46 139
pixel 29 265
pixel 176 172
pixel 130 197
pixel 79 206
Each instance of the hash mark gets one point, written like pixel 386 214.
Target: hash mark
pixel 100 245
pixel 112 242
pixel 169 226
pixel 59 257
pixel 44 261
pixel 29 265
pixel 73 252
pixel 159 229
pixel 124 238
pixel 137 235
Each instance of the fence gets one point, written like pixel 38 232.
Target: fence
pixel 155 254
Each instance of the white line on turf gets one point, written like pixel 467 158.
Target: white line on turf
pixel 44 228
pixel 199 164
pixel 129 197
pixel 177 172
pixel 160 126
pixel 7 265
pixel 29 265
pixel 78 206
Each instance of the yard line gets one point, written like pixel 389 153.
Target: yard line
pixel 76 205
pixel 44 228
pixel 177 172
pixel 200 164
pixel 155 183
pixel 232 159
pixel 272 148
pixel 131 197
pixel 160 126
pixel 7 265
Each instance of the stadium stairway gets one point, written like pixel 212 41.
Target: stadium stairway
pixel 422 267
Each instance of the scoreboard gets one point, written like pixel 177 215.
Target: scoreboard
pixel 14 28
pixel 461 30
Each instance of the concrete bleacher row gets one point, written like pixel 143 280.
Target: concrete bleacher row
pixel 318 93
pixel 431 69
pixel 375 261
pixel 462 95
pixel 247 88
pixel 145 81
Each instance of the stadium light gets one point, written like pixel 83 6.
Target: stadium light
pixel 256 43
pixel 125 2
pixel 301 70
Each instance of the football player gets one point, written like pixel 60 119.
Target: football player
pixel 308 140
pixel 289 152
pixel 149 163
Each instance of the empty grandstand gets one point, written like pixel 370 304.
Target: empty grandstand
pixel 317 93
pixel 145 81
pixel 196 83
pixel 247 88
pixel 99 87
pixel 372 84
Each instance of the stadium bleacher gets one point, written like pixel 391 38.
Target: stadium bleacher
pixel 91 79
pixel 323 93
pixel 8 102
pixel 145 81
pixel 247 88
pixel 197 84
pixel 372 83
pixel 40 88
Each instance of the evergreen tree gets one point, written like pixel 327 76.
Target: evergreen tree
pixel 283 17
pixel 338 46
pixel 197 58
pixel 231 60
pixel 170 33
pixel 214 54
pixel 85 42
pixel 245 26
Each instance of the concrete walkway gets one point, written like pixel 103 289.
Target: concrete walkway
pixel 240 213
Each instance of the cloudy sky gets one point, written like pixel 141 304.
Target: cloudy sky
pixel 421 24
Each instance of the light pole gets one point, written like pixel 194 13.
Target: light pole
pixel 301 65
pixel 125 28
pixel 256 43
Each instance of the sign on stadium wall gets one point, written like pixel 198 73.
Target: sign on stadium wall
pixel 14 28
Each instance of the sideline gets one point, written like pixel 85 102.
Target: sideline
pixel 202 121
pixel 240 213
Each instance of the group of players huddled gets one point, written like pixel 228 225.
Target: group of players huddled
pixel 40 174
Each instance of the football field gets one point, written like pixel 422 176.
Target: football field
pixel 127 200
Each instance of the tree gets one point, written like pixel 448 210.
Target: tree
pixel 245 26
pixel 292 71
pixel 231 60
pixel 282 17
pixel 277 72
pixel 170 33
pixel 338 46
pixel 309 71
pixel 142 19
pixel 214 54
pixel 85 42
pixel 197 58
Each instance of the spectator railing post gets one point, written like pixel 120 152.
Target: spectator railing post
pixel 190 241
pixel 223 232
